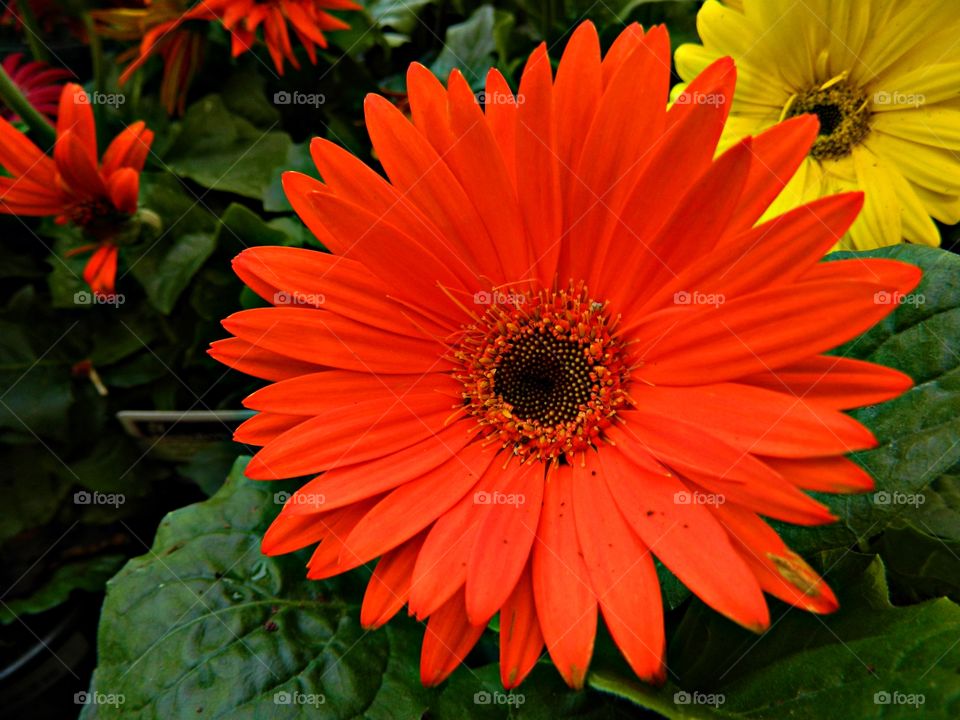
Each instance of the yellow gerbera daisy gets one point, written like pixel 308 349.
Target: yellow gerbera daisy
pixel 884 79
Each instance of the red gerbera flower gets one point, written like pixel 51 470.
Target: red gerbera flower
pixel 308 18
pixel 73 186
pixel 40 84
pixel 554 346
pixel 161 27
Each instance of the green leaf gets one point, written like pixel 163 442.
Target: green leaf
pixel 222 151
pixel 243 228
pixel 30 487
pixel 922 551
pixel 471 45
pixel 917 431
pixel 166 268
pixel 204 623
pixel 299 160
pixel 399 15
pixel 89 574
pixel 870 659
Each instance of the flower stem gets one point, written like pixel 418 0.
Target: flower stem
pixel 96 59
pixel 15 100
pixel 29 20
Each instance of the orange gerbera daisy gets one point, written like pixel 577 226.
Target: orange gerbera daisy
pixel 308 18
pixel 553 346
pixel 161 28
pixel 73 186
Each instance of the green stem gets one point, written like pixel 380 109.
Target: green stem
pixel 96 58
pixel 29 20
pixel 14 99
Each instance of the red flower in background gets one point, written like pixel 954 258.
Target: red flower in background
pixel 554 345
pixel 307 18
pixel 74 186
pixel 161 28
pixel 39 83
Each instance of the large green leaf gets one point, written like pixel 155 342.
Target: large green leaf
pixel 922 549
pixel 166 267
pixel 223 151
pixel 204 623
pixel 869 660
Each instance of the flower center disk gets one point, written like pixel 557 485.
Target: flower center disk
pixel 543 374
pixel 844 113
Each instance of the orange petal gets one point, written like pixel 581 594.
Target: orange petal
pixel 621 571
pixel 521 641
pixel 448 639
pixel 566 604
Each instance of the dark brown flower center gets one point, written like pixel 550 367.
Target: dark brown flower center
pixel 543 374
pixel 844 113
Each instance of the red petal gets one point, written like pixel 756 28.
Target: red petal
pixel 389 586
pixel 363 432
pixel 566 604
pixel 677 531
pixel 448 639
pixel 520 639
pixel 621 571
pixel 505 538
